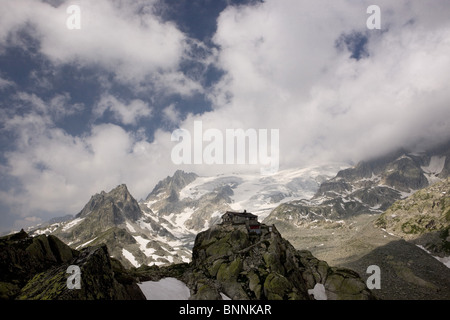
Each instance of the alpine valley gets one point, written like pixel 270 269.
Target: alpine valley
pixel 344 215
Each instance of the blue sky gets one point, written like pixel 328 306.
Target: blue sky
pixel 85 110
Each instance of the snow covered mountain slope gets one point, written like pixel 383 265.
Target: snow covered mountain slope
pixel 186 204
pixel 115 219
pixel 161 229
pixel 260 194
pixel 369 187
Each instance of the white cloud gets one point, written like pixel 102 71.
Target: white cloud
pixel 283 70
pixel 4 83
pixel 57 107
pixel 123 37
pixel 171 114
pixel 59 172
pixel 127 114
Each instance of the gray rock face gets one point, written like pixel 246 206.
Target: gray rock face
pixel 423 218
pixel 227 259
pixel 102 221
pixel 113 207
pixel 172 185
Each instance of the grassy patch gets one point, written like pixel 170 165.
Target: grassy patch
pixel 411 228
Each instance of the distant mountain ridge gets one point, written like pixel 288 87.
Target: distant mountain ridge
pixel 186 203
pixel 161 229
pixel 116 219
pixel 369 187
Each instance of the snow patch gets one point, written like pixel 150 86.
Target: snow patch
pixel 165 289
pixel 145 225
pixel 198 188
pixel 129 256
pixel 224 296
pixel 390 233
pixel 130 227
pixel 47 230
pixel 72 224
pixel 435 167
pixel 85 244
pixel 143 245
pixel 318 292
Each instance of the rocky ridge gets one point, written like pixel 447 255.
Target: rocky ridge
pixel 35 268
pixel 370 187
pixel 115 219
pixel 423 218
pixel 161 229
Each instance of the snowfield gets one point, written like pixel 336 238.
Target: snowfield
pixel 127 254
pixel 318 292
pixel 72 224
pixel 165 289
pixel 435 167
pixel 261 194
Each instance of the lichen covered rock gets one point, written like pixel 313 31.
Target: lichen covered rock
pixel 35 268
pixel 228 259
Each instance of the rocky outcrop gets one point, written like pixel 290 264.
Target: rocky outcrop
pixel 104 217
pixel 21 257
pixel 228 259
pixel 423 218
pixel 114 207
pixel 35 268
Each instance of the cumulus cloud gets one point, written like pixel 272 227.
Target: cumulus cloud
pixel 62 171
pixel 127 114
pixel 171 114
pixel 4 83
pixel 57 107
pixel 122 37
pixel 284 69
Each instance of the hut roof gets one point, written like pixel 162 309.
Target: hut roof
pixel 242 214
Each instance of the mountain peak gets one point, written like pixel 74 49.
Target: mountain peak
pixel 122 186
pixel 119 202
pixel 172 185
pixel 120 191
